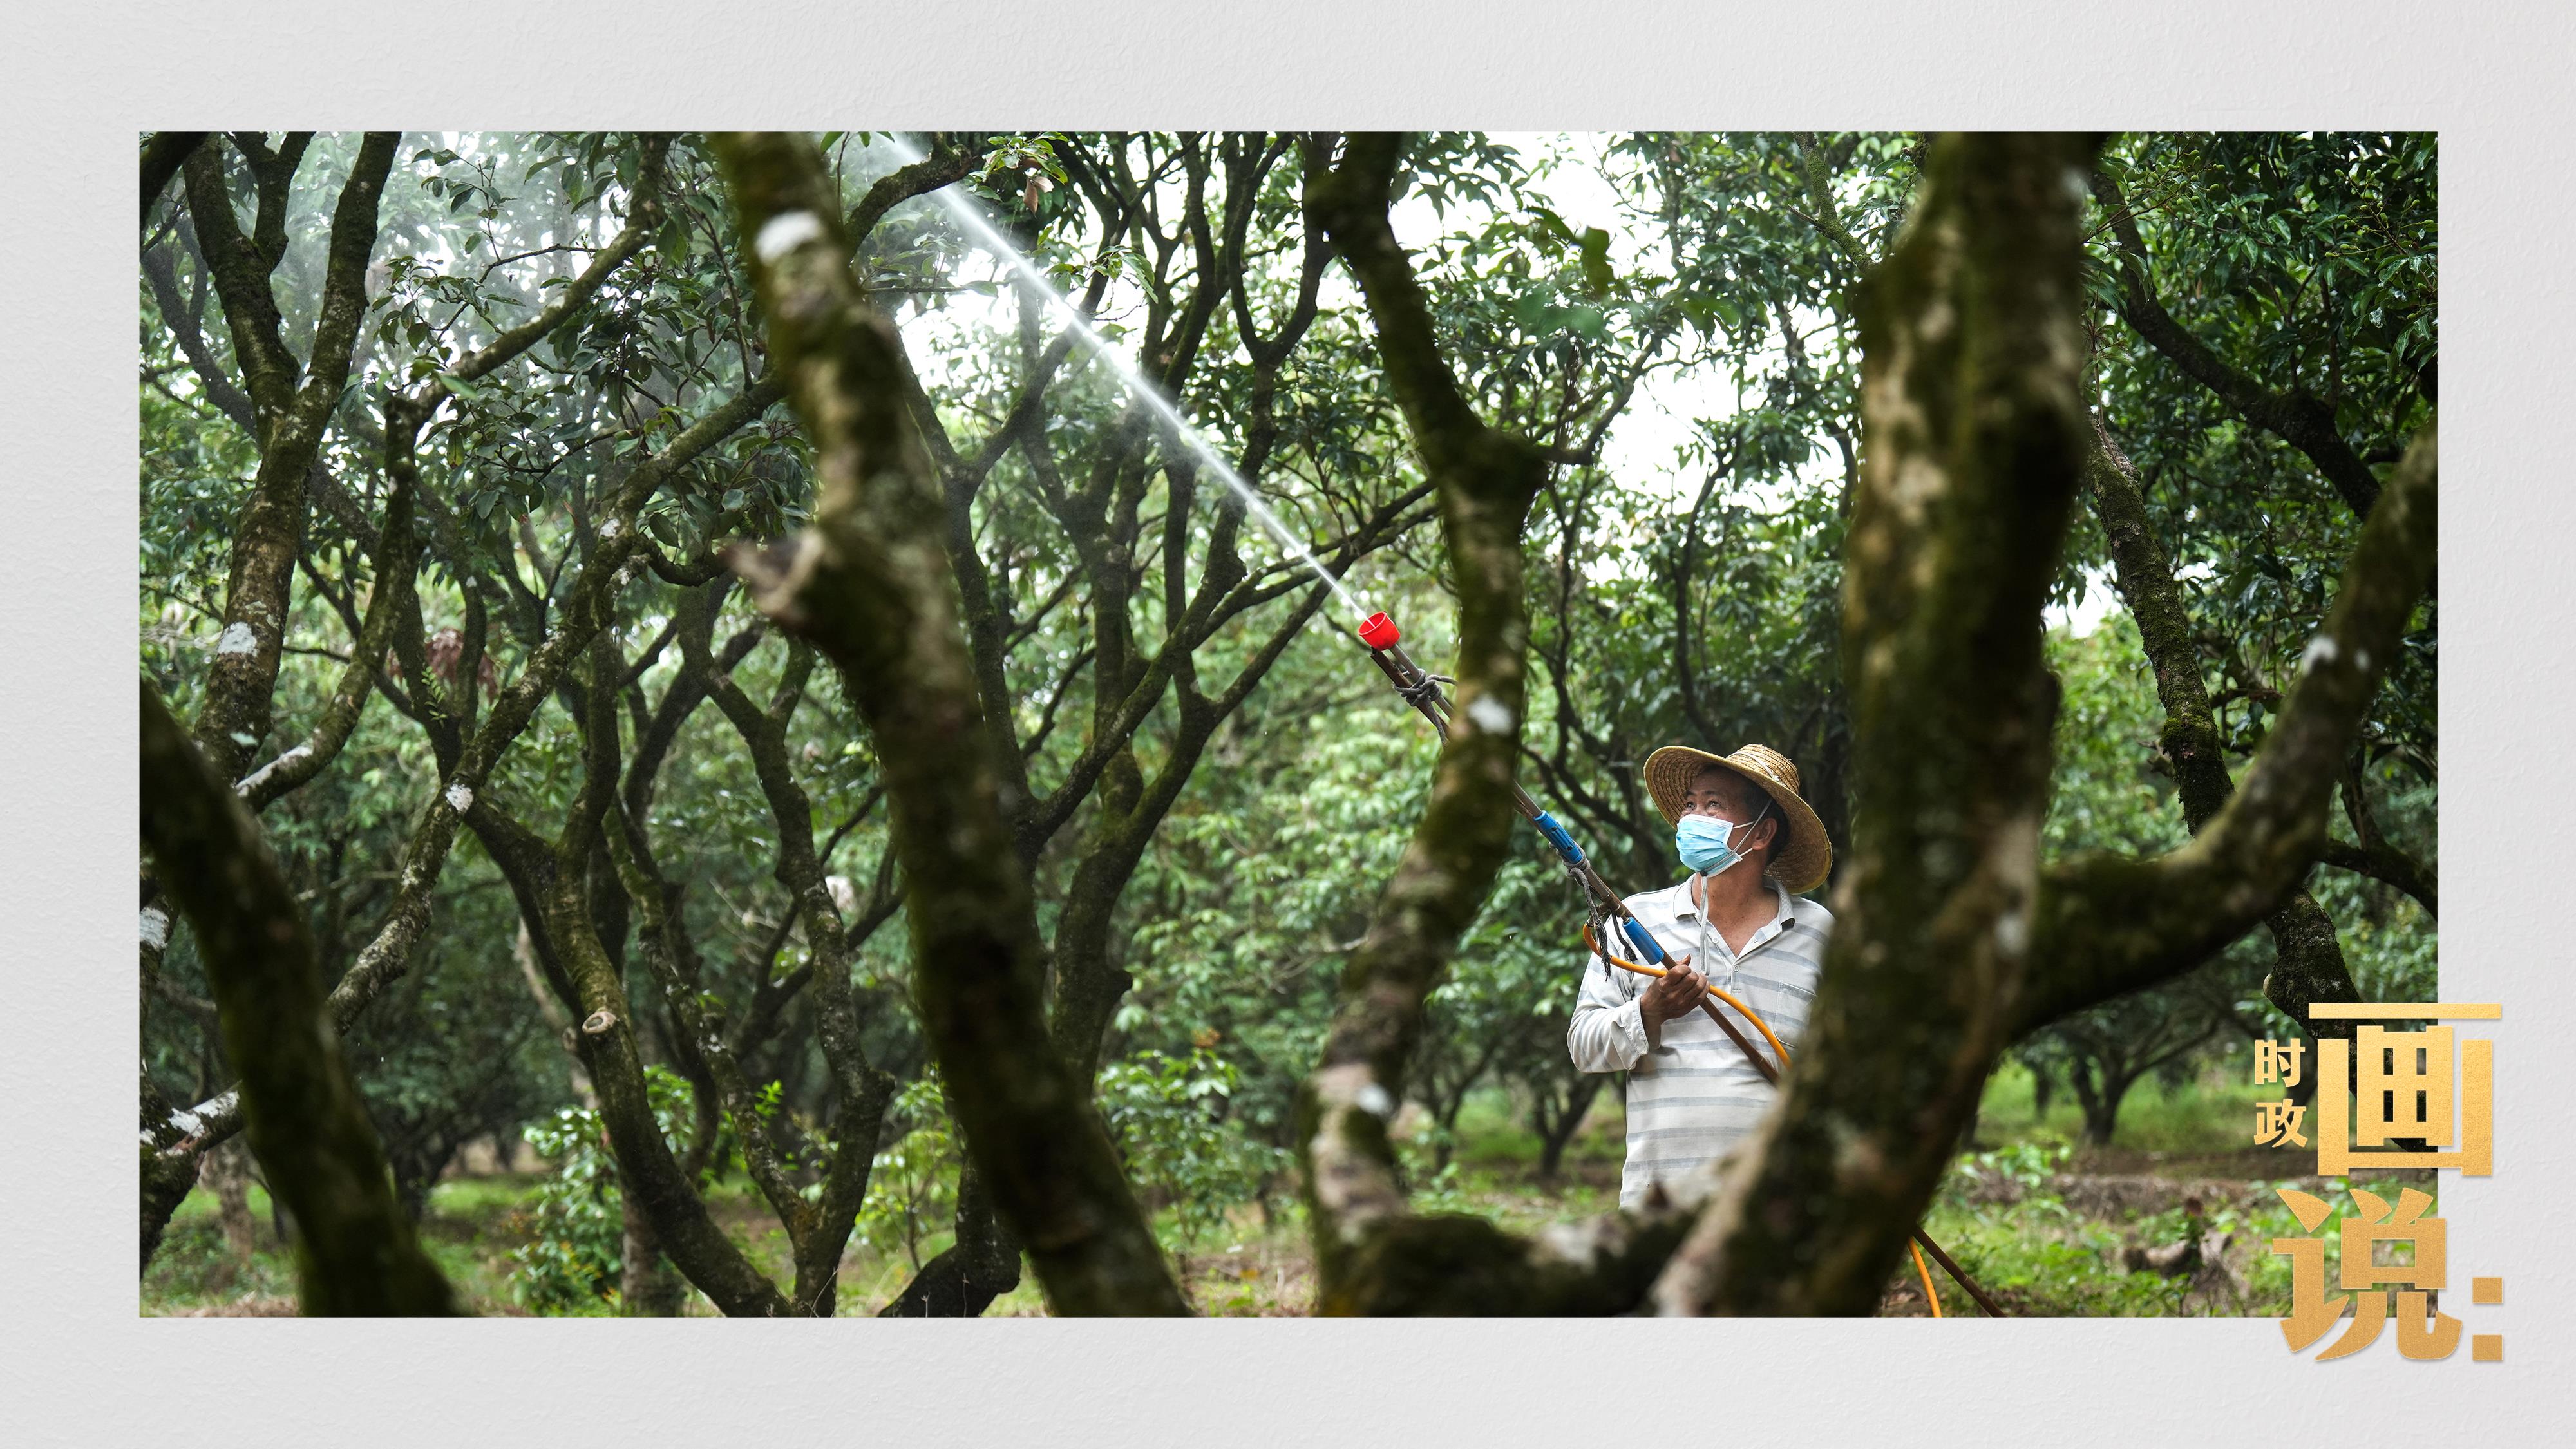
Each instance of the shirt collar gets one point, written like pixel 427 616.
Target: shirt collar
pixel 1783 915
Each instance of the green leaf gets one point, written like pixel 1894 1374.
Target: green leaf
pixel 1596 261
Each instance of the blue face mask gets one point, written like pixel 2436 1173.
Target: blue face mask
pixel 1702 842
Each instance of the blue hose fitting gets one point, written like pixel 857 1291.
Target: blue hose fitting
pixel 1557 837
pixel 1635 930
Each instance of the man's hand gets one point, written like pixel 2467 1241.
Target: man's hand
pixel 1678 993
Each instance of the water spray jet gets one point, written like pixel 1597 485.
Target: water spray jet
pixel 1139 386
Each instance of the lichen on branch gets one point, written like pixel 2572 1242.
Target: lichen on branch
pixel 871 585
pixel 355 1250
pixel 1972 404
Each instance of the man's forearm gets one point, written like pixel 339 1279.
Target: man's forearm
pixel 1606 1038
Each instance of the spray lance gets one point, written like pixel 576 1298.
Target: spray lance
pixel 1423 692
pixel 1421 689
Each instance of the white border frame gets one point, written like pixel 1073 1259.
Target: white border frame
pixel 78 85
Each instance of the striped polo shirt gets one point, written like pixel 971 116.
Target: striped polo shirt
pixel 1693 1098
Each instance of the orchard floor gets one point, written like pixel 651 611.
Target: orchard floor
pixel 2048 1226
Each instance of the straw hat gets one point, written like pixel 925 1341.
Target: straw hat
pixel 1801 856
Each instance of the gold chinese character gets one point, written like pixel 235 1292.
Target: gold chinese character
pixel 2404 1081
pixel 2276 1124
pixel 2311 1311
pixel 2421 1332
pixel 2405 1085
pixel 2278 1062
pixel 2406 1224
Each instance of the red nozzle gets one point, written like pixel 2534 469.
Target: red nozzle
pixel 1380 632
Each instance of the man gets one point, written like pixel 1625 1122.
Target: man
pixel 1749 842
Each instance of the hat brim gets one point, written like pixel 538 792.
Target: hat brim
pixel 1801 865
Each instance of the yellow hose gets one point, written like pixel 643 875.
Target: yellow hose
pixel 1741 1009
pixel 1768 1035
pixel 1926 1270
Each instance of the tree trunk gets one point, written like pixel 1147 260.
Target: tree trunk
pixel 1088 984
pixel 648 1286
pixel 306 1122
pixel 1373 1254
pixel 226 1173
pixel 2309 960
pixel 1444 1149
pixel 871 584
pixel 167 1170
pixel 981 1266
pixel 2102 1102
pixel 1553 1138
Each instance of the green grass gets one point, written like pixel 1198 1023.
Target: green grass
pixel 2209 1115
pixel 2038 1253
pixel 468 1231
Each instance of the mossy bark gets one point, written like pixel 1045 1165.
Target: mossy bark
pixel 1971 397
pixel 2309 963
pixel 1367 1242
pixel 647 1285
pixel 166 1168
pixel 1953 941
pixel 871 584
pixel 293 403
pixel 355 1253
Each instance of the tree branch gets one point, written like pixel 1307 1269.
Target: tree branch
pixel 943 166
pixel 871 584
pixel 1972 391
pixel 2112 926
pixel 355 1252
pixel 2297 416
pixel 1485 481
pixel 2387 865
pixel 163 154
pixel 2311 966
pixel 238 694
pixel 2376 857
pixel 160 271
